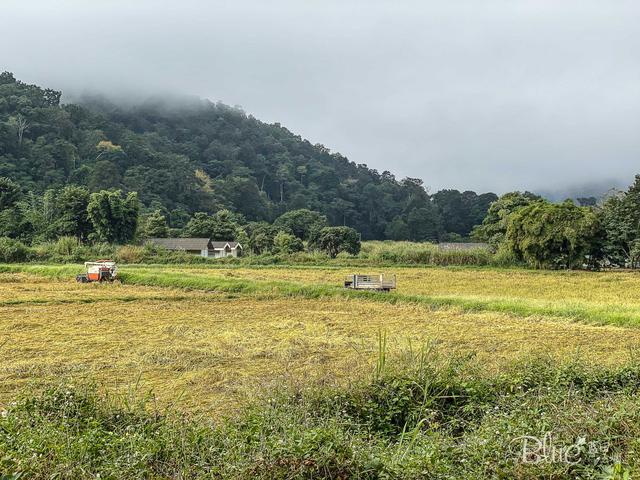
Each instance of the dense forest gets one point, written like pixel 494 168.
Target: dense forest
pixel 188 156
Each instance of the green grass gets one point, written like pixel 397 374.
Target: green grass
pixel 420 418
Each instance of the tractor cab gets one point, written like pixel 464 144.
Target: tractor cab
pixel 98 271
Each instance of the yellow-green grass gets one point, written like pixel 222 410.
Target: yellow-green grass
pixel 601 298
pixel 208 351
pixel 598 297
pixel 622 287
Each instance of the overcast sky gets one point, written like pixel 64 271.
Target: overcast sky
pixel 484 95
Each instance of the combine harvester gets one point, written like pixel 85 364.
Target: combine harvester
pixel 98 271
pixel 378 283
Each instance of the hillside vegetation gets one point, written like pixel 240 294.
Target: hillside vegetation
pixel 187 155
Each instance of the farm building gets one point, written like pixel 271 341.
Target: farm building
pixel 200 246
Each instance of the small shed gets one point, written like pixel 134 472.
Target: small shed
pixel 200 246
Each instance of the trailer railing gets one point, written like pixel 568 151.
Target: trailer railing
pixel 379 282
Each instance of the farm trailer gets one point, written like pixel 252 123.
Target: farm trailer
pixel 380 283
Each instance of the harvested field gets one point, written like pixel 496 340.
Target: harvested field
pixel 596 297
pixel 209 350
pixel 619 288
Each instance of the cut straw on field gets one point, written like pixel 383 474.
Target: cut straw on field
pixel 211 350
pixel 608 298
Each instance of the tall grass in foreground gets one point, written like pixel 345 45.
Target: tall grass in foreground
pixel 423 419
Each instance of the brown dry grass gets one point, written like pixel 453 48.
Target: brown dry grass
pixel 209 351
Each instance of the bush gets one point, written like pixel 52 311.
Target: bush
pixel 12 250
pixel 334 240
pixel 285 243
pixel 67 246
pixel 130 254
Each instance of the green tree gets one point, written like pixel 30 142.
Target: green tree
pixel 226 225
pixel 71 214
pixel 424 223
pixel 261 237
pixel 201 225
pixel 156 225
pixel 587 201
pixel 221 227
pixel 10 222
pixel 335 240
pixel 105 176
pixel 9 193
pixel 620 216
pixel 397 230
pixel 301 223
pixel 286 243
pixel 114 217
pixel 461 211
pixel 548 235
pixel 494 225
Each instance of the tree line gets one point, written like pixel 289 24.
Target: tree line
pixel 111 216
pixel 542 234
pixel 188 155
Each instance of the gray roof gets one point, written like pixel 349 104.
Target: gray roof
pixel 221 245
pixel 181 243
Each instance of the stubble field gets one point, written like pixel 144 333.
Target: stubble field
pixel 210 338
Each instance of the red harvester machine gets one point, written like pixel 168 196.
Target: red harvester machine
pixel 98 271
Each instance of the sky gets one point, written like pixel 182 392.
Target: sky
pixel 486 95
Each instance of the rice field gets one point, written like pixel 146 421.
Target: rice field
pixel 207 339
pixel 596 297
pixel 588 287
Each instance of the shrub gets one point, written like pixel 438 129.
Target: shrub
pixel 130 254
pixel 67 246
pixel 334 240
pixel 423 253
pixel 12 250
pixel 286 243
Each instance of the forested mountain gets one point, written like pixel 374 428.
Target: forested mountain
pixel 193 156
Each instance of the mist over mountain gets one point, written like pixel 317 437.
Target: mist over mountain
pixel 597 189
pixel 487 96
pixel 187 156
